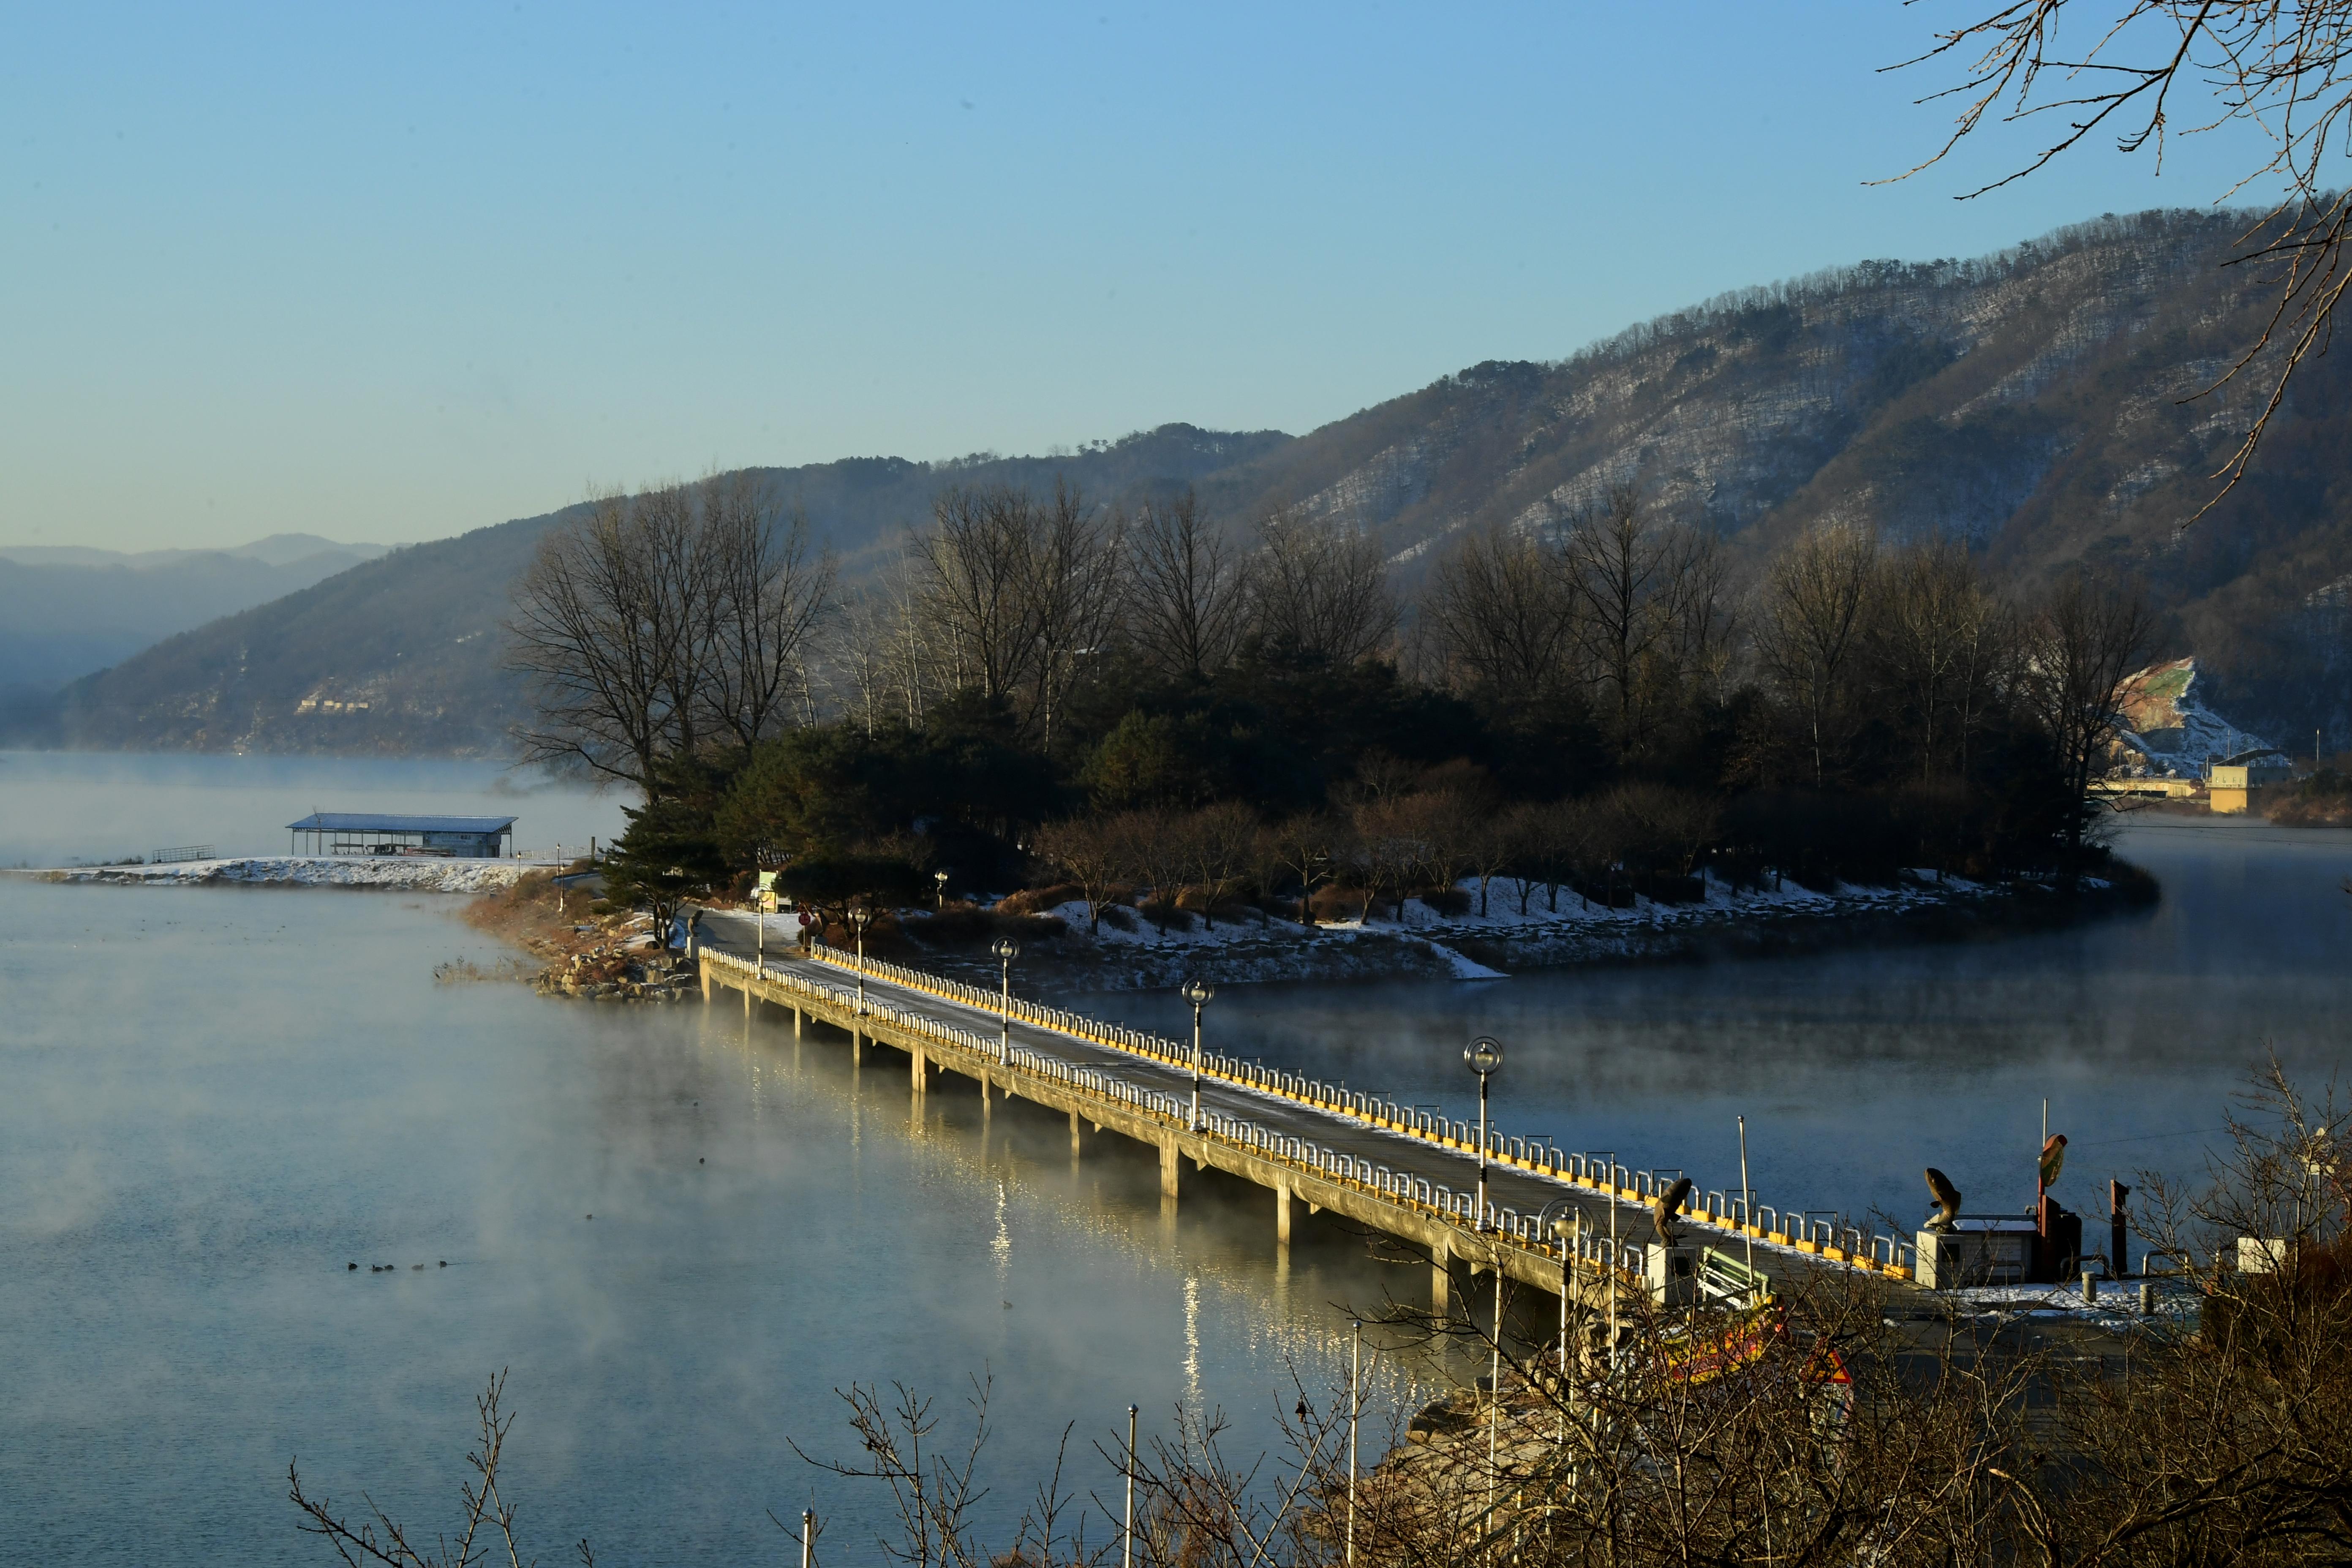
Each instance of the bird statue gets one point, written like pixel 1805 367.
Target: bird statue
pixel 1670 1203
pixel 1948 1201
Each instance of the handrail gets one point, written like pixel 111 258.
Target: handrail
pixel 1635 1187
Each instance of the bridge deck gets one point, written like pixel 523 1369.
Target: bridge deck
pixel 1392 1168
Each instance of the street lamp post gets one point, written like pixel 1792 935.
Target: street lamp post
pixel 858 919
pixel 1197 991
pixel 1482 1056
pixel 941 878
pixel 1006 950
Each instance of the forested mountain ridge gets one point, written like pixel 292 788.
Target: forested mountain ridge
pixel 2039 403
pixel 404 653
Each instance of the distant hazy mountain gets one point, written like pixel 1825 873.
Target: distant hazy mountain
pixel 2039 403
pixel 278 550
pixel 67 610
pixel 401 654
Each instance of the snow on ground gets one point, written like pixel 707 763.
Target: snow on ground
pixel 2176 1301
pixel 1505 916
pixel 398 873
pixel 1147 938
pixel 1419 941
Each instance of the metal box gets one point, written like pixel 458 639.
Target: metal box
pixel 1671 1273
pixel 1980 1252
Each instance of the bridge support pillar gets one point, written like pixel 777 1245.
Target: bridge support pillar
pixel 1441 1280
pixel 796 1021
pixel 747 999
pixel 919 1068
pixel 706 983
pixel 1170 1164
pixel 1074 1134
pixel 1282 1214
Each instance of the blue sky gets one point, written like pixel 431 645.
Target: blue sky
pixel 391 273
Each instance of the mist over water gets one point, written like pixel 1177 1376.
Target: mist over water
pixel 107 805
pixel 216 1099
pixel 1858 1067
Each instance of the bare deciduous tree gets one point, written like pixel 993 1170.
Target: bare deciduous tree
pixel 663 619
pixel 1218 842
pixel 772 590
pixel 1501 607
pixel 935 1496
pixel 1935 639
pixel 980 552
pixel 1094 851
pixel 1308 846
pixel 1649 617
pixel 2080 642
pixel 1809 621
pixel 1019 589
pixel 1185 592
pixel 1318 590
pixel 485 1517
pixel 1072 578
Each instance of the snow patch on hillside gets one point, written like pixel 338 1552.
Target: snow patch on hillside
pixel 2169 731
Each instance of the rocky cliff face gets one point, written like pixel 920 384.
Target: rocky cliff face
pixel 2174 733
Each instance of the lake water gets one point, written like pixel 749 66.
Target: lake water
pixel 1857 1068
pixel 216 1099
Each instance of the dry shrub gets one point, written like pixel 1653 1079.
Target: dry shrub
pixel 1331 903
pixel 1036 900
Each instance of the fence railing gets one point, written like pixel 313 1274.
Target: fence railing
pixel 1601 1175
pixel 1352 1170
pixel 180 852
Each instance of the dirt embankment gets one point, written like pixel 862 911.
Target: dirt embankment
pixel 602 957
pixel 2322 800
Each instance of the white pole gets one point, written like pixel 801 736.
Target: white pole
pixel 1127 1534
pixel 808 1537
pixel 1746 1206
pixel 1355 1403
pixel 1481 1222
pixel 1612 1263
pixel 1495 1398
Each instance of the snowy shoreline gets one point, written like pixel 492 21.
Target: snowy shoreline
pixel 1426 945
pixel 391 873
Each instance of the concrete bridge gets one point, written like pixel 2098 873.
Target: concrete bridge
pixel 1406 1173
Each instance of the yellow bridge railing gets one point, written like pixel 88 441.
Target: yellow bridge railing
pixel 1719 1211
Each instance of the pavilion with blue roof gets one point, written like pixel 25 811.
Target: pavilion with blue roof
pixel 363 833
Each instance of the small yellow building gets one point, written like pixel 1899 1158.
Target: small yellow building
pixel 2235 784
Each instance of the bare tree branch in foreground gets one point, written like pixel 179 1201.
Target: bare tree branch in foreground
pixel 486 1520
pixel 2283 66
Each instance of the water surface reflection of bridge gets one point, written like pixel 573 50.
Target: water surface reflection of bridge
pixel 1400 1171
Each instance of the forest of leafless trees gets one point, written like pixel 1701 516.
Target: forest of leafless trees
pixel 1043 687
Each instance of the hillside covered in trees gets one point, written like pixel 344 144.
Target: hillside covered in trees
pixel 2038 406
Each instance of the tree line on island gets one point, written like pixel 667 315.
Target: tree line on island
pixel 1040 692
